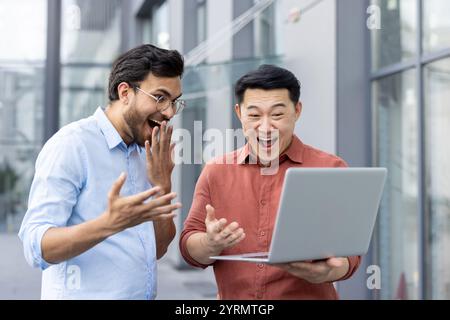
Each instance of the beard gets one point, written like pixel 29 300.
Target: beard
pixel 135 121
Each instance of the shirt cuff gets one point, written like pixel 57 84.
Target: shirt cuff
pixel 185 253
pixel 32 246
pixel 353 264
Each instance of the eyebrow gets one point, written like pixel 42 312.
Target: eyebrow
pixel 272 107
pixel 167 93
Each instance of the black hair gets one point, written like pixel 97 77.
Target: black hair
pixel 136 64
pixel 268 77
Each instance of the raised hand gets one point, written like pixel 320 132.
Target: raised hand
pixel 127 212
pixel 159 157
pixel 219 235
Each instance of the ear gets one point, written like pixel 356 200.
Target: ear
pixel 237 110
pixel 124 90
pixel 298 110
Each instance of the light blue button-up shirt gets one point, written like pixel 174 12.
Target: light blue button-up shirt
pixel 74 173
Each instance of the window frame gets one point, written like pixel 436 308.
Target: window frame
pixel 418 63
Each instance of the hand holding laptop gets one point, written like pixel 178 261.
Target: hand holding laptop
pixel 318 271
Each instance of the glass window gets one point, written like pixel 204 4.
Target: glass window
pixel 161 35
pixel 396 105
pixel 436 24
pixel 146 31
pixel 83 89
pixel 21 124
pixel 90 31
pixel 25 20
pixel 90 42
pixel 437 97
pixel 21 103
pixel 155 26
pixel 201 21
pixel 264 32
pixel 396 40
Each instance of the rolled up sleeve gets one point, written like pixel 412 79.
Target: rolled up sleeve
pixel 195 222
pixel 54 191
pixel 353 264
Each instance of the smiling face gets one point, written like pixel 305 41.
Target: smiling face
pixel 140 113
pixel 268 119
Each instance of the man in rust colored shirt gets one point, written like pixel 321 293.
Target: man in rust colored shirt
pixel 235 202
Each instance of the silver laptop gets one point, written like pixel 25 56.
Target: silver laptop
pixel 323 212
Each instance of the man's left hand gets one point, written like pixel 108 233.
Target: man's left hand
pixel 328 270
pixel 159 158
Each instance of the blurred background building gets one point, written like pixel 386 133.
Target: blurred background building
pixel 375 89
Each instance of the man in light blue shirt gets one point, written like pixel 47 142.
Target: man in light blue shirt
pixel 94 224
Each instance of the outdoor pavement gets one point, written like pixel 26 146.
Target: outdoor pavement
pixel 19 281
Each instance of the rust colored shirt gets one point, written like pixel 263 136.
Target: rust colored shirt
pixel 239 192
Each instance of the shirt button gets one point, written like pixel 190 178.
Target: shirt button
pixel 259 295
pixel 262 233
pixel 260 265
pixel 263 202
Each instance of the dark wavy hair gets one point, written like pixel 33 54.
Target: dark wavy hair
pixel 135 65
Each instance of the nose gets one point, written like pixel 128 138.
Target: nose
pixel 168 113
pixel 265 125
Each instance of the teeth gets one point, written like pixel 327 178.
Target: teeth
pixel 262 139
pixel 267 142
pixel 155 121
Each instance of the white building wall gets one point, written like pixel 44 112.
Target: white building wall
pixel 309 50
pixel 219 15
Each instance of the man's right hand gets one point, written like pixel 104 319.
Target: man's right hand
pixel 64 243
pixel 219 235
pixel 127 212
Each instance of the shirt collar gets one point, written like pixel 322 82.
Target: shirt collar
pixel 110 133
pixel 294 152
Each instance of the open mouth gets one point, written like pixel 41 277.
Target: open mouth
pixel 154 123
pixel 266 142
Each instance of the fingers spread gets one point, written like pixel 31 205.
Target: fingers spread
pixel 148 152
pixel 229 229
pixel 234 235
pixel 221 224
pixel 210 215
pixel 237 239
pixel 159 210
pixel 141 197
pixel 117 185
pixel 163 200
pixel 155 140
pixel 161 217
pixel 164 142
pixel 169 133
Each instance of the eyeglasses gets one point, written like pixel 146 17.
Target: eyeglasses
pixel 163 102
